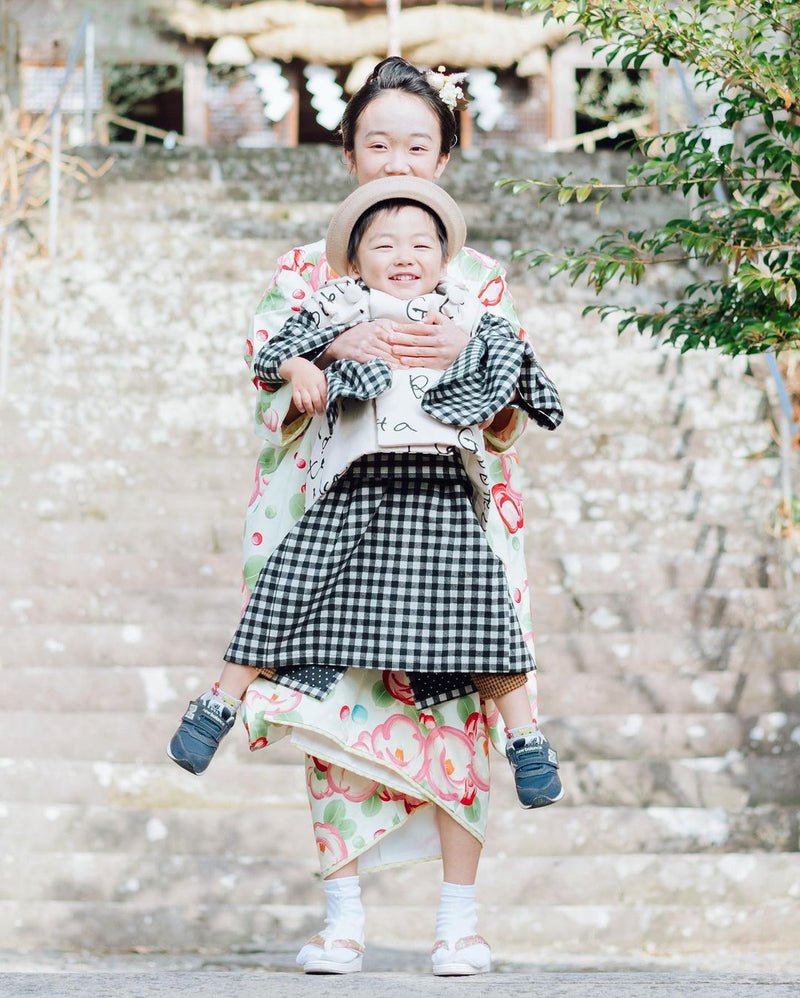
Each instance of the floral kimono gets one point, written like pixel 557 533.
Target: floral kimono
pixel 376 760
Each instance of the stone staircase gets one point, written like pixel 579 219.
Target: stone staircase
pixel 669 648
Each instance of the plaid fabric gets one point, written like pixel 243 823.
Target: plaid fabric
pixel 350 379
pixel 483 378
pixel 481 381
pixel 299 336
pixel 389 571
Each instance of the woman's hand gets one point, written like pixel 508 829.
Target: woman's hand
pixel 361 343
pixel 435 343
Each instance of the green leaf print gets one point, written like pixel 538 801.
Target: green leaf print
pixel 496 469
pixel 473 812
pixel 268 458
pixel 358 842
pixel 346 828
pixel 252 570
pixel 438 717
pixel 371 805
pixel 381 696
pixel 470 269
pixel 515 542
pixel 272 299
pixel 334 812
pixel 297 505
pixel 466 706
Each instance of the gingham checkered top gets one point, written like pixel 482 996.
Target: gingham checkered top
pixel 390 570
pixel 483 378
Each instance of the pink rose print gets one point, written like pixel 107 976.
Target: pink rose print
pixel 451 771
pixel 296 262
pixel 280 701
pixel 258 743
pixel 270 419
pixel 248 347
pixel 262 335
pixel 398 687
pixel 339 782
pixel 507 499
pixel 330 841
pixel 400 742
pixel 491 293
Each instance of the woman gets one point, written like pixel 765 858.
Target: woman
pixel 388 783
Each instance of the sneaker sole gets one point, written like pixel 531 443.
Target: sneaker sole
pixel 546 803
pixel 184 764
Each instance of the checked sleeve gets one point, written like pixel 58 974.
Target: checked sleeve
pixel 484 378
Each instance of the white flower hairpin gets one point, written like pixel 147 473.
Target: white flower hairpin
pixel 447 87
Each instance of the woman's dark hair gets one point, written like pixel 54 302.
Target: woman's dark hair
pixel 391 205
pixel 395 73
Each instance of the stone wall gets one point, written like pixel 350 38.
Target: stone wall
pixel 497 220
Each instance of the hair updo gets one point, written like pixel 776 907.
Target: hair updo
pixel 395 73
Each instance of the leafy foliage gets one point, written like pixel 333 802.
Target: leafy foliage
pixel 739 172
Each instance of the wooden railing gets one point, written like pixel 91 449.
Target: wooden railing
pixel 140 130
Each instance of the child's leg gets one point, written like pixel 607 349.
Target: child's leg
pixel 235 679
pixel 209 718
pixel 533 761
pixel 339 948
pixel 510 694
pixel 458 950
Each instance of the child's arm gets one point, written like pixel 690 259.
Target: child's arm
pixel 309 385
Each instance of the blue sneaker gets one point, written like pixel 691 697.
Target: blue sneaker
pixel 535 768
pixel 197 739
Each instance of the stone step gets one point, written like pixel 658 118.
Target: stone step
pixel 155 689
pixel 188 879
pixel 603 930
pixel 735 781
pixel 610 653
pixel 674 609
pixel 577 830
pixel 176 563
pixel 549 536
pixel 122 736
pixel 55 527
pixel 657 651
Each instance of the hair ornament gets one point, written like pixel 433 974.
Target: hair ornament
pixel 448 87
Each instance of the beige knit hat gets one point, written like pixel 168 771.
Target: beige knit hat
pixel 424 192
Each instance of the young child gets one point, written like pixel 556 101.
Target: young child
pixel 393 237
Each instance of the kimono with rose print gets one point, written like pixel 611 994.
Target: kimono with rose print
pixel 373 760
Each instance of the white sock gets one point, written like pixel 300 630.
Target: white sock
pixel 524 731
pixel 344 917
pixel 216 699
pixel 457 916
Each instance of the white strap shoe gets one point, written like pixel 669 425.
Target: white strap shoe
pixel 468 955
pixel 331 956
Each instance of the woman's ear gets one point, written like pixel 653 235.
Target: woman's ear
pixel 348 155
pixel 441 163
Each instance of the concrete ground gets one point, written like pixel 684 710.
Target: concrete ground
pixel 388 973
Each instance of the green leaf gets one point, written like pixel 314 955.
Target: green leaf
pixel 334 812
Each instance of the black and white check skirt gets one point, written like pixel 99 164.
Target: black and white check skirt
pixel 390 570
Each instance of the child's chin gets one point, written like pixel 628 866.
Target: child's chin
pixel 404 290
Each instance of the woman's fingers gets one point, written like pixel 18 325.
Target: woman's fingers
pixel 363 342
pixel 428 344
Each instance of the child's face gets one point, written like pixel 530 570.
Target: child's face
pixel 400 253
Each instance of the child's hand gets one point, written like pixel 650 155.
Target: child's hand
pixel 309 385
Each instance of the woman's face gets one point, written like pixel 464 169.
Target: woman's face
pixel 397 135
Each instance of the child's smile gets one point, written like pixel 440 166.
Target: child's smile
pixel 400 253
